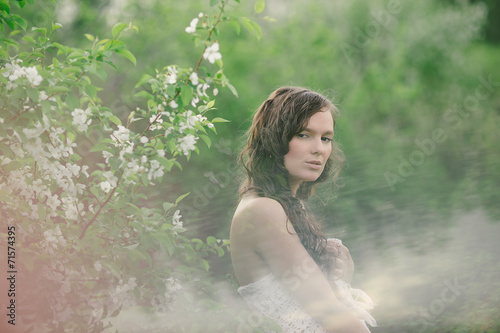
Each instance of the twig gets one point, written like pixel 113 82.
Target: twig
pixel 92 220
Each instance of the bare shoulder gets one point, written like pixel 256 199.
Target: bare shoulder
pixel 259 211
pixel 259 221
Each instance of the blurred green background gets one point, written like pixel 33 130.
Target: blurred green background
pixel 417 83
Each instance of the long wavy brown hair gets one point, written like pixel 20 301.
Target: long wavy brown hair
pixel 284 114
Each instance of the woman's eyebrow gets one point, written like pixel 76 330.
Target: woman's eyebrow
pixel 313 131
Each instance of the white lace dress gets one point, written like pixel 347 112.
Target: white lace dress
pixel 267 296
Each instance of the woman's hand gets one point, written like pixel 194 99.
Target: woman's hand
pixel 342 264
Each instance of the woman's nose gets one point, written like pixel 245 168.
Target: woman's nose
pixel 317 146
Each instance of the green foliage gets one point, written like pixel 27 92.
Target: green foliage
pixel 92 238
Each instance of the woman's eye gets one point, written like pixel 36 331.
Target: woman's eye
pixel 326 139
pixel 302 135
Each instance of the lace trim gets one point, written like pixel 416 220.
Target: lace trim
pixel 267 296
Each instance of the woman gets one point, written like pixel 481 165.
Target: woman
pixel 286 268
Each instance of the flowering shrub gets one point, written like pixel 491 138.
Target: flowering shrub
pixel 86 246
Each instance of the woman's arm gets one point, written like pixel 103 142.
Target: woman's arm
pixel 277 243
pixel 342 264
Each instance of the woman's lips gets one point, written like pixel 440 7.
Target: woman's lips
pixel 314 164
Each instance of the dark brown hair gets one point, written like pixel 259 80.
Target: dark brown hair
pixel 284 114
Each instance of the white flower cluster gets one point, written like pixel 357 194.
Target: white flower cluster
pixel 14 71
pixel 123 295
pixel 212 53
pixel 194 22
pixel 52 172
pixel 187 143
pixel 131 164
pixel 176 221
pixel 121 135
pixel 81 119
pixel 166 302
pixel 53 238
pixel 110 182
pixel 170 76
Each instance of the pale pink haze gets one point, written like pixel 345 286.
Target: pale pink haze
pixel 309 150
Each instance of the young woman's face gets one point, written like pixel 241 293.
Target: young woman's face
pixel 309 150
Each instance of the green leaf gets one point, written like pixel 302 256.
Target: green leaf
pixel 118 28
pixel 257 29
pixel 62 48
pixel 211 240
pixel 42 30
pixel 259 6
pixel 10 23
pixel 114 163
pixel 29 39
pixel 20 21
pixel 232 88
pixel 56 26
pixel 33 94
pixel 269 19
pixel 98 147
pixel 247 23
pixel 115 120
pixel 207 140
pixel 89 37
pixel 144 94
pixel 213 2
pixel 127 54
pixel 236 26
pixel 167 206
pixel 205 264
pixel 145 78
pixel 220 120
pixel 4 6
pixel 167 164
pixel 180 198
pixel 177 164
pixel 186 94
pixel 210 104
pixel 21 3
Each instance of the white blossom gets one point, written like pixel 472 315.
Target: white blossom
pixel 216 91
pixel 32 133
pixel 212 53
pixel 193 78
pixel 171 76
pixel 195 101
pixel 80 119
pixel 53 202
pixel 187 143
pixel 201 89
pixel 32 76
pixel 122 134
pixel 173 104
pixel 192 26
pixel 111 178
pixel 144 139
pixel 176 219
pixel 105 186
